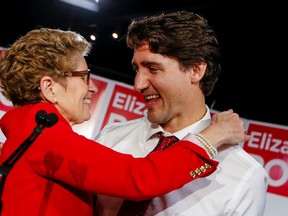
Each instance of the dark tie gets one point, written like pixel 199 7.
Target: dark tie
pixel 138 208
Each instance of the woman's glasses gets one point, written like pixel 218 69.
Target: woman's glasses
pixel 84 74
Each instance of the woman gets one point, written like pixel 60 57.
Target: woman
pixel 46 70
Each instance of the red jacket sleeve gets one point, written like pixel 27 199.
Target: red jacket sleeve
pixel 68 157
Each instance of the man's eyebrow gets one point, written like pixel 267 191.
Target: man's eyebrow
pixel 150 63
pixel 145 64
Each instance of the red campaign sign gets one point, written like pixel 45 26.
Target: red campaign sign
pixel 1 53
pixel 98 96
pixel 269 145
pixel 5 104
pixel 125 104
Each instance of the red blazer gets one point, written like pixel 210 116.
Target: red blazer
pixel 61 169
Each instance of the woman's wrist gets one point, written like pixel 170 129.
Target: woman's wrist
pixel 210 149
pixel 203 143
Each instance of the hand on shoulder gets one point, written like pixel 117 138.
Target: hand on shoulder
pixel 226 127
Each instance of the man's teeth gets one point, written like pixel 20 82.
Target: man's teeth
pixel 150 97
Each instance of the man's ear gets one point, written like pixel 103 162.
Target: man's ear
pixel 46 88
pixel 198 71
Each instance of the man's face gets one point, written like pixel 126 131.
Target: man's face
pixel 167 89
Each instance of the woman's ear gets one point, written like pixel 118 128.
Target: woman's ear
pixel 46 88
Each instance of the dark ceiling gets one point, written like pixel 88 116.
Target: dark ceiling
pixel 253 80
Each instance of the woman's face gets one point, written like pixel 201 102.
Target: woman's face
pixel 73 102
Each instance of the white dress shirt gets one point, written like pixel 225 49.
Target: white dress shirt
pixel 237 188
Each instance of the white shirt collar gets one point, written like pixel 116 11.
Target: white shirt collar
pixel 193 128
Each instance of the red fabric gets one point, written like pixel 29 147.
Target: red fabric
pixel 51 178
pixel 164 142
pixel 139 208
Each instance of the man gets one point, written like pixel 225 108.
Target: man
pixel 177 63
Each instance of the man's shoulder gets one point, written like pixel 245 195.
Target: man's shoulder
pixel 113 133
pixel 126 127
pixel 129 123
pixel 237 157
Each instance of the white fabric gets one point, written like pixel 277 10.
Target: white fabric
pixel 237 188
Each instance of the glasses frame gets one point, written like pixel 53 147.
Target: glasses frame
pixel 81 73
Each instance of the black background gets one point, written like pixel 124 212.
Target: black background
pixel 253 37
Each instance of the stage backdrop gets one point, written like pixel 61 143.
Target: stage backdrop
pixel 116 101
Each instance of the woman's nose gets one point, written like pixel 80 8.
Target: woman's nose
pixel 92 87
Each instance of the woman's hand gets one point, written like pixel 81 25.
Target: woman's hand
pixel 226 128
